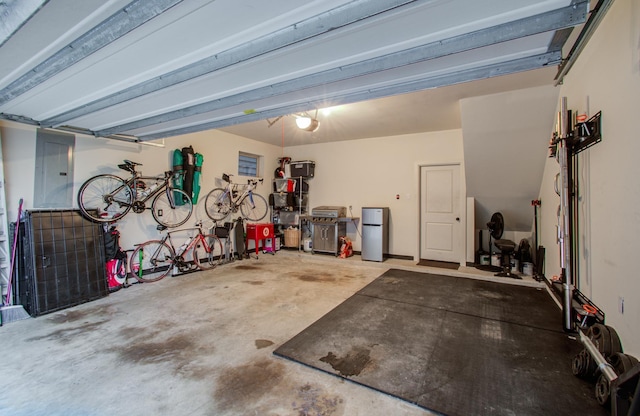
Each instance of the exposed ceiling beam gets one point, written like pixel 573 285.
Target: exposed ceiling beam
pixel 330 21
pixel 589 28
pixel 489 71
pixel 545 22
pixel 14 14
pixel 117 25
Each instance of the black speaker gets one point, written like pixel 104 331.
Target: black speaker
pixel 60 261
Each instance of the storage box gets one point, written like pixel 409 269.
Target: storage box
pixel 301 185
pixel 289 218
pixel 292 237
pixel 284 185
pixel 282 200
pixel 304 168
pixel 269 243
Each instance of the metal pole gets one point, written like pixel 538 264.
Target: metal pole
pixel 603 365
pixel 565 235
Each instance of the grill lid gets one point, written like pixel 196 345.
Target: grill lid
pixel 329 211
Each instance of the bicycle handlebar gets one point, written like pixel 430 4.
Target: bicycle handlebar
pixel 227 178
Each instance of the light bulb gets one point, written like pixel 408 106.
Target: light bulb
pixel 303 122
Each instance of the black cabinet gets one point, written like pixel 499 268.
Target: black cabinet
pixel 60 261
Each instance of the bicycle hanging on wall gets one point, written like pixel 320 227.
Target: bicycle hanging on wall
pixel 221 202
pixel 108 198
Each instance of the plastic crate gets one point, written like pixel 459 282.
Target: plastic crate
pixel 304 168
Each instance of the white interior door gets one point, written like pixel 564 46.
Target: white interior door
pixel 440 231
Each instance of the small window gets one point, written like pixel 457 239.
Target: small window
pixel 248 164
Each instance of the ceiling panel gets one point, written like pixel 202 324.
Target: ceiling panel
pixel 157 68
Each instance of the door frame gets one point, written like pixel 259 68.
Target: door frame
pixel 462 240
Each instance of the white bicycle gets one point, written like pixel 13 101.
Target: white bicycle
pixel 221 202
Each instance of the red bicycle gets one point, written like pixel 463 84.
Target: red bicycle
pixel 154 259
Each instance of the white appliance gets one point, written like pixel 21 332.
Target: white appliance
pixel 375 233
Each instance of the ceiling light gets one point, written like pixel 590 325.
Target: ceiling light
pixel 313 126
pixel 303 122
pixel 306 122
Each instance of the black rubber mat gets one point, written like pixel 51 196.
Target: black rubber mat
pixel 451 345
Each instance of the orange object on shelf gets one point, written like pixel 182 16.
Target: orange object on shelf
pixel 257 233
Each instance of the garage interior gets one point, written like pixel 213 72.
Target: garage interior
pixel 413 86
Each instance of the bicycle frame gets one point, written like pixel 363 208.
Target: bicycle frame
pixel 234 197
pixel 232 188
pixel 192 240
pixel 132 183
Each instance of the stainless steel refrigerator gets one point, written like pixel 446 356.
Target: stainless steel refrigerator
pixel 375 233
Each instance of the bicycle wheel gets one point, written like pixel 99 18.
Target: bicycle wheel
pixel 217 205
pixel 166 213
pixel 151 261
pixel 208 252
pixel 105 198
pixel 254 207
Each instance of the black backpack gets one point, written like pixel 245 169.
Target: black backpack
pixel 111 243
pixel 189 165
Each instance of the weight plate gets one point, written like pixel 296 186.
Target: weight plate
pixel 603 391
pixel 605 338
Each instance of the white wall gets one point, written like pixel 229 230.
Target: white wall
pixel 606 78
pixel 94 156
pixel 371 172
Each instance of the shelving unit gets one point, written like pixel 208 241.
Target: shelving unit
pixel 289 204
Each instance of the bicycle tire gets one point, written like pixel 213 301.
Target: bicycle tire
pixel 151 261
pixel 217 204
pixel 207 260
pixel 254 212
pixel 169 216
pixel 96 202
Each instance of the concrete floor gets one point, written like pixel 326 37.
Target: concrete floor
pixel 196 344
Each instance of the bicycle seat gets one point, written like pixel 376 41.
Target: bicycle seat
pixel 226 178
pixel 160 227
pixel 129 166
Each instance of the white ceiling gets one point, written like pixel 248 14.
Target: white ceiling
pixel 148 69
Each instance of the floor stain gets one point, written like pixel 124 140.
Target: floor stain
pixel 244 267
pixel 263 343
pixel 67 335
pixel 316 277
pixel 350 365
pixel 147 352
pixel 254 282
pixel 65 316
pixel 242 387
pixel 180 351
pixel 312 401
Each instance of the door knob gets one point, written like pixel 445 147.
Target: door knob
pixel 458 219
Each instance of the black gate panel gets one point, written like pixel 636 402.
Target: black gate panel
pixel 61 261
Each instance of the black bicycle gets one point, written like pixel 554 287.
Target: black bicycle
pixel 108 198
